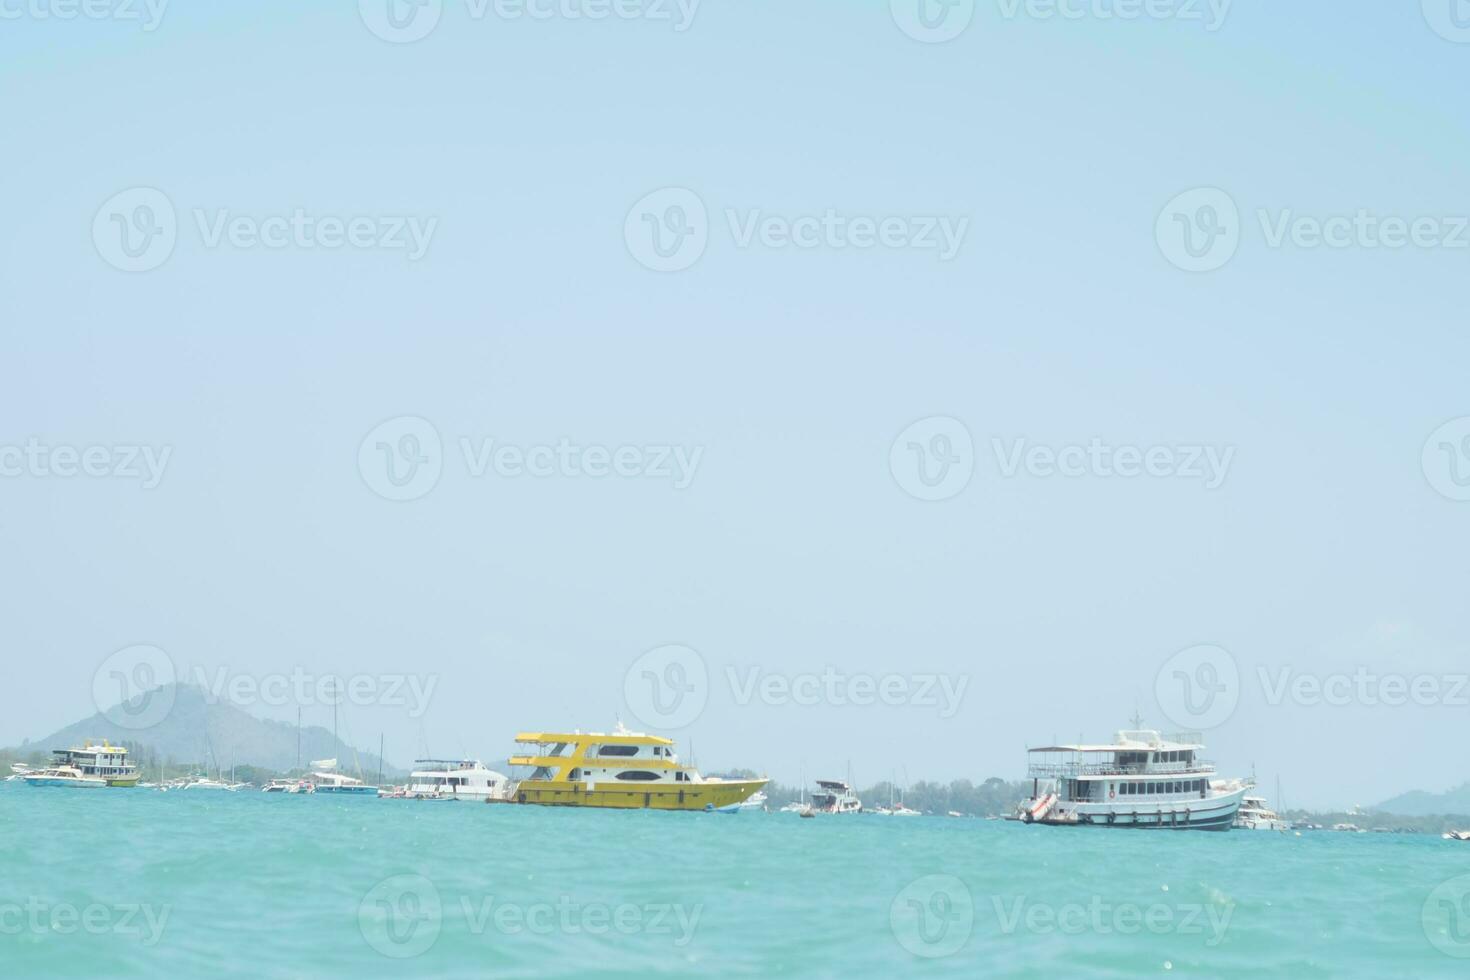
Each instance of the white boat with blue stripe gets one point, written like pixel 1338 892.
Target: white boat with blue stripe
pixel 1142 780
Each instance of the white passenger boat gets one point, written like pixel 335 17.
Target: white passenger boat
pixel 95 760
pixel 287 786
pixel 204 782
pixel 1141 780
pixel 1254 814
pixel 456 779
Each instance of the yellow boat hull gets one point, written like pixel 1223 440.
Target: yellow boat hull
pixel 671 796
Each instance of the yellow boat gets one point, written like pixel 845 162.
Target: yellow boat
pixel 624 770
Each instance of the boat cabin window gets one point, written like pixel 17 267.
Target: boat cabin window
pixel 618 750
pixel 638 775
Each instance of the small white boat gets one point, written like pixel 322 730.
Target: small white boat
pixel 835 796
pixel 67 776
pixel 287 786
pixel 1457 835
pixel 1254 814
pixel 204 782
pixel 342 785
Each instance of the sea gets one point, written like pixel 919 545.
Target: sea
pixel 140 883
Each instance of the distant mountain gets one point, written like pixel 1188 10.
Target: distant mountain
pixel 195 728
pixel 1422 804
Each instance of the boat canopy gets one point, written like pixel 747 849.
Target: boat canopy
pixel 581 738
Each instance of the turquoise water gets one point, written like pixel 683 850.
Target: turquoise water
pixel 138 883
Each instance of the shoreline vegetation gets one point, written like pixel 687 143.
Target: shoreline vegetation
pixel 993 797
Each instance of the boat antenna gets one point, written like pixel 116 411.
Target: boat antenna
pixel 380 758
pixel 1137 720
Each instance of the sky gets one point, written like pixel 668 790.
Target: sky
pixel 837 386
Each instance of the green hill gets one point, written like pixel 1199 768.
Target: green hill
pixel 1421 804
pixel 218 734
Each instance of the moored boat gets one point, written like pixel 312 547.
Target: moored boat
pixel 621 770
pixel 1141 780
pixel 455 779
pixel 835 796
pixel 1254 814
pixel 67 776
pixel 104 762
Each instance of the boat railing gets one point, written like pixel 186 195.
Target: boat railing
pixel 1052 770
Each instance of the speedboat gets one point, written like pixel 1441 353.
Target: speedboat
pixel 1141 779
pixel 68 776
pixel 287 786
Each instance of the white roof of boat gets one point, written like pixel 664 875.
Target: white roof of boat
pixel 1139 741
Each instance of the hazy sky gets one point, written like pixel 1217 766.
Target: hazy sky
pixel 238 244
